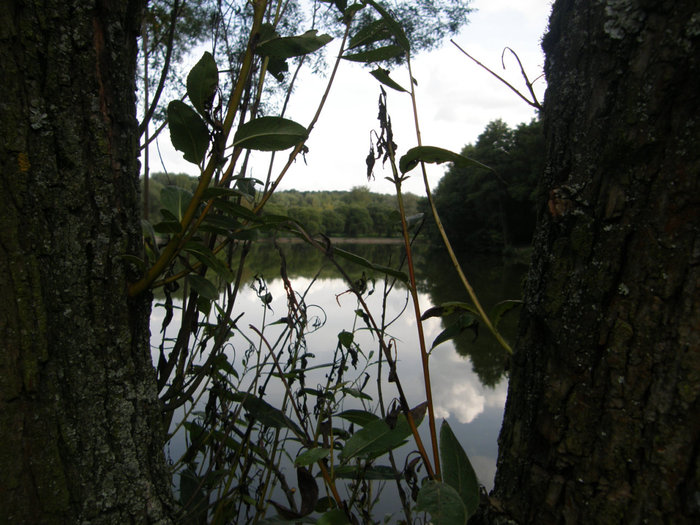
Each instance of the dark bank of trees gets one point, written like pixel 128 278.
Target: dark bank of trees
pixel 354 213
pixel 487 211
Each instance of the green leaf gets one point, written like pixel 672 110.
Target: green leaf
pixel 379 54
pixel 203 287
pixel 344 338
pixel 502 308
pixel 293 46
pixel 392 25
pixel 175 200
pixel 443 504
pixel 188 132
pixel 333 517
pixel 354 392
pixel 266 413
pixel 269 134
pixel 202 82
pixel 448 308
pixel 435 155
pixel 311 456
pixel 192 496
pixel 457 471
pixel 209 259
pixel 167 227
pixel 378 437
pixel 374 472
pixel 359 417
pixel 369 34
pixel 364 262
pixel 383 76
pixel 464 322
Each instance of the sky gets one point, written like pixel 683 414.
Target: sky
pixel 456 100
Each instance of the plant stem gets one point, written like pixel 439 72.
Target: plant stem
pixel 441 229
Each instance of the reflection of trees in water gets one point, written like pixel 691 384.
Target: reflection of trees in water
pixel 494 279
pixel 305 261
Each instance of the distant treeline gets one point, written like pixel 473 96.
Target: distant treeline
pixel 355 213
pixel 482 211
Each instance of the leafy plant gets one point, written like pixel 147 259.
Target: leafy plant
pixel 216 394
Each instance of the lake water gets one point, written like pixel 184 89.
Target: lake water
pixel 468 379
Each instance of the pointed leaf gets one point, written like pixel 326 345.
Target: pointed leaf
pixel 457 470
pixel 308 489
pixel 501 309
pixel 448 308
pixel 359 417
pixel 464 322
pixel 203 287
pixel 293 46
pixel 378 437
pixel 383 76
pixel 379 54
pixel 435 155
pixel 333 517
pixel 188 132
pixel 443 504
pixel 374 472
pixel 266 413
pixel 311 456
pixel 209 259
pixel 364 262
pixel 392 25
pixel 202 82
pixel 369 34
pixel 269 134
pixel 175 200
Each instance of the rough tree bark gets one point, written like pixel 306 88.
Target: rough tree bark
pixel 79 417
pixel 602 423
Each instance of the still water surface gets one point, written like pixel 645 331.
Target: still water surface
pixel 468 379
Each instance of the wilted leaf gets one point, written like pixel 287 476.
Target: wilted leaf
pixel 269 134
pixel 344 338
pixel 202 82
pixel 188 132
pixel 435 155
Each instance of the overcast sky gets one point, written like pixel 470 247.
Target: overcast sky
pixel 456 99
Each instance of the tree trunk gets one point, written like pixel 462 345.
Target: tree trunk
pixel 79 417
pixel 602 423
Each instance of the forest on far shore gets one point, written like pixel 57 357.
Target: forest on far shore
pixel 482 211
